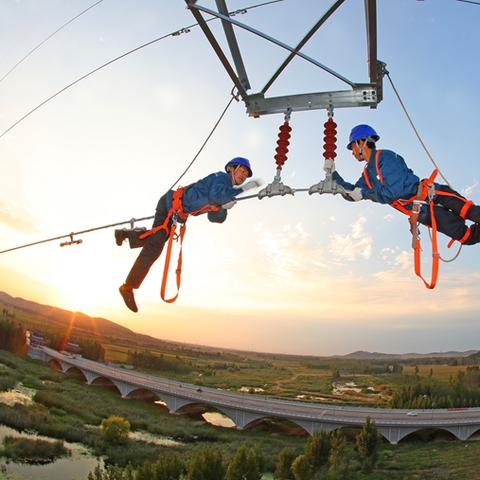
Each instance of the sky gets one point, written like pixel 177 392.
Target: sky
pixel 304 274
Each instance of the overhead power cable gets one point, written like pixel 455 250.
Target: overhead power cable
pixel 48 38
pixel 446 260
pixel 415 129
pixel 133 220
pixel 123 55
pixel 469 1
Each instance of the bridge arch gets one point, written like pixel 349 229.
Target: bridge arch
pixel 277 424
pixel 430 434
pixel 143 394
pixel 75 372
pixel 56 365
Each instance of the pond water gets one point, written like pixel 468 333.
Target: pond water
pixel 218 419
pixel 75 467
pixel 156 439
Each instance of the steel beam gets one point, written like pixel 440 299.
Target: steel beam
pixel 304 40
pixel 360 96
pixel 195 8
pixel 216 47
pixel 374 71
pixel 233 45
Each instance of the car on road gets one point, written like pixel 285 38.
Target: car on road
pixel 412 414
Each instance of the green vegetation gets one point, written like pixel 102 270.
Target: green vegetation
pixel 12 334
pixel 367 443
pixel 461 391
pixel 33 450
pixel 115 430
pixel 65 408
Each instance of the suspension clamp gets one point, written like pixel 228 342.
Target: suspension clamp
pixel 276 188
pixel 71 241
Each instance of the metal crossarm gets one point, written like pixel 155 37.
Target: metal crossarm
pixel 362 94
pixel 233 44
pixel 300 45
pixel 359 96
pixel 218 50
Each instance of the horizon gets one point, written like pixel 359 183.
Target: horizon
pixel 231 349
pixel 307 274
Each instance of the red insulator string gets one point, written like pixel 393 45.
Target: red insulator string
pixel 282 144
pixel 330 146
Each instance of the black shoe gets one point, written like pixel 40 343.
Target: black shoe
pixel 120 236
pixel 126 291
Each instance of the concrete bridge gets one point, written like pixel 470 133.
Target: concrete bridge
pixel 246 409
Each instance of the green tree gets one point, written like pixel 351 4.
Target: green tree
pixel 246 464
pixel 318 448
pixel 302 468
pixel 207 464
pixel 115 429
pixel 283 468
pixel 367 442
pixel 339 459
pixel 168 466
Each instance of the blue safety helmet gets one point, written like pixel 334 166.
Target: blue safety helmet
pixel 239 161
pixel 362 131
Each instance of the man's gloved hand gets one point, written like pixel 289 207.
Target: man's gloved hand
pixel 329 165
pixel 229 205
pixel 354 195
pixel 251 184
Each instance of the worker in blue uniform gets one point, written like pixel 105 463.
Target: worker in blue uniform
pixel 214 195
pixel 387 179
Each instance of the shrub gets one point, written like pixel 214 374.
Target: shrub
pixel 115 429
pixel 33 450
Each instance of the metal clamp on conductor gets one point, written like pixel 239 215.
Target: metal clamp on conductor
pixel 277 187
pixel 71 241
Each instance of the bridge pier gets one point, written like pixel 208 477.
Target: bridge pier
pixel 240 418
pixel 123 388
pixel 463 432
pixel 90 377
pixel 173 402
pixel 311 426
pixel 395 434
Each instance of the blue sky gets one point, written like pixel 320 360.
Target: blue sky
pixel 314 275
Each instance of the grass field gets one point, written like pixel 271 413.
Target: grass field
pixel 441 372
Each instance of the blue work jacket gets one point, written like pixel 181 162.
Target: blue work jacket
pixel 399 181
pixel 215 189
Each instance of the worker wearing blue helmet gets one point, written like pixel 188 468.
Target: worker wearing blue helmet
pixel 216 190
pixel 386 178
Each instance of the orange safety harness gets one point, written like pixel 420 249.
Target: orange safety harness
pixel 426 189
pixel 175 214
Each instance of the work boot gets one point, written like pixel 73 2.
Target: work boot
pixel 120 236
pixel 126 291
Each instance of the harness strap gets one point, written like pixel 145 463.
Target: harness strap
pixel 175 214
pixel 462 240
pixel 377 168
pixel 465 209
pixel 168 255
pixel 435 254
pixel 425 191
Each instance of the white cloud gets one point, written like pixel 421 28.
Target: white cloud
pixel 469 189
pixel 17 218
pixel 388 217
pixel 355 244
pixel 404 260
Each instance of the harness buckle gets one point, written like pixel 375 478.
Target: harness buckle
pixel 417 205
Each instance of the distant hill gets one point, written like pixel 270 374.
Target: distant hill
pixel 82 324
pixel 362 355
pixel 36 315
